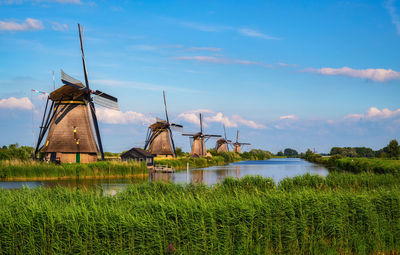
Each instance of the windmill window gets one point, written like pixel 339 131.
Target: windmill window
pixel 74 129
pixel 47 142
pixel 77 141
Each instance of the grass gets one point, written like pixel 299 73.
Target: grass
pixel 24 170
pixel 181 163
pixel 358 165
pixel 246 216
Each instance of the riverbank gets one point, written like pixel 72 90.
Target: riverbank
pixel 15 170
pixel 217 159
pixel 357 165
pixel 250 215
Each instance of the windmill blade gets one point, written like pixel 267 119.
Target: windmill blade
pixel 69 80
pixel 83 56
pixel 225 132
pixel 245 143
pixel 105 100
pixel 176 127
pixel 237 136
pixel 165 107
pixel 188 134
pixel 208 136
pixel 172 141
pixel 201 123
pixel 96 127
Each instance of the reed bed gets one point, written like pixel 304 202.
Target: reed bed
pixel 359 165
pixel 15 169
pixel 181 163
pixel 341 180
pixel 247 216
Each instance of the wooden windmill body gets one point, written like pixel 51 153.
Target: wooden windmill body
pixel 69 121
pixel 237 146
pixel 199 141
pixel 222 144
pixel 159 139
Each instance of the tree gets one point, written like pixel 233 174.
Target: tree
pixel 280 153
pixel 290 152
pixel 392 150
pixel 179 152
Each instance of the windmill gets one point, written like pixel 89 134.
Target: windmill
pixel 199 141
pixel 70 135
pixel 159 139
pixel 222 144
pixel 237 147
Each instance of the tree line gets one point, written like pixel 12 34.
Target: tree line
pixel 392 150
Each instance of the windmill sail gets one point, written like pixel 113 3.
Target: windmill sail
pixel 68 80
pixel 105 100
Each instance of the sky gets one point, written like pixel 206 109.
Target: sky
pixel 287 74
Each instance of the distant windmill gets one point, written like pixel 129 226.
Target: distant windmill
pixel 222 144
pixel 159 139
pixel 199 141
pixel 70 137
pixel 237 147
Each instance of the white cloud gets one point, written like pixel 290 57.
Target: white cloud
pixel 288 117
pixel 220 118
pixel 393 14
pixel 213 49
pixel 374 113
pixel 59 27
pixel 144 47
pixel 16 103
pixel 250 123
pixel 190 117
pixel 221 60
pixel 378 75
pixel 232 121
pixel 254 33
pixel 140 85
pixel 28 24
pixel 109 116
pixel 204 28
pixel 203 59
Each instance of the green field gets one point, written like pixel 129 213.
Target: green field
pixel 247 216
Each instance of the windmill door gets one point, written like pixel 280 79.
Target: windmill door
pixel 78 158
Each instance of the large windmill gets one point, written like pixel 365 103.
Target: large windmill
pixel 237 147
pixel 199 141
pixel 159 139
pixel 222 144
pixel 70 135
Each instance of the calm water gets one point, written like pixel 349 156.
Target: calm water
pixel 274 168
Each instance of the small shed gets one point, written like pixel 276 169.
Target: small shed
pixel 138 154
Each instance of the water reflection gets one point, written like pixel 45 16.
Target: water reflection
pixel 277 169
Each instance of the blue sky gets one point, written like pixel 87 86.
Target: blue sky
pixel 299 74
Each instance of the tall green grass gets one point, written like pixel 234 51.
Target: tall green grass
pixel 181 163
pixel 247 216
pixel 341 180
pixel 359 165
pixel 33 169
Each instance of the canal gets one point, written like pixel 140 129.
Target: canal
pixel 277 168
